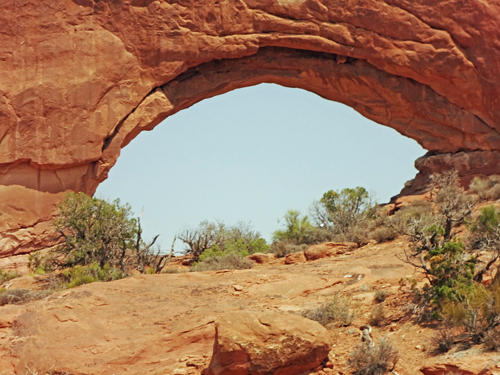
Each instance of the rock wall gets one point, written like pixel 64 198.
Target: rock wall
pixel 79 79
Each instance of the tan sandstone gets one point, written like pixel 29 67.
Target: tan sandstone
pixel 80 79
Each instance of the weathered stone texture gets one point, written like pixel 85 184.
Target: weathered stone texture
pixel 80 79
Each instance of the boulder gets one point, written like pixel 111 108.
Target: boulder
pixel 267 343
pixel 261 258
pixel 328 249
pixel 295 258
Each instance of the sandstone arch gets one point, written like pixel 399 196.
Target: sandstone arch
pixel 79 79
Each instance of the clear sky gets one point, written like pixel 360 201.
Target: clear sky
pixel 251 155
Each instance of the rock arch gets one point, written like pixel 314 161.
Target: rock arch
pixel 79 79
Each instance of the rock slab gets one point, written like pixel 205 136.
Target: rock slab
pixel 328 249
pixel 251 343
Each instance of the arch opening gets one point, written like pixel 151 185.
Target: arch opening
pixel 250 155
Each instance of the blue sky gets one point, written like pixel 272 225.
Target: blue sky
pixel 251 155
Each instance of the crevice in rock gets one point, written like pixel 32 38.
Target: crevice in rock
pixel 107 141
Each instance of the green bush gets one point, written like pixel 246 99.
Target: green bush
pixel 80 275
pixel 7 275
pixel 337 310
pixel 342 211
pixel 94 230
pixel 215 239
pixel 298 230
pixel 377 360
pixel 231 261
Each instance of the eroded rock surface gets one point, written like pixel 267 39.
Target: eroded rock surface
pixel 267 343
pixel 81 78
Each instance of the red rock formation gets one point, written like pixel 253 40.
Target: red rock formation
pixel 248 343
pixel 81 78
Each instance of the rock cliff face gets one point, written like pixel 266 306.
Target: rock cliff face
pixel 79 79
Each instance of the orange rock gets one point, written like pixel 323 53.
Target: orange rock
pixel 472 366
pixel 80 79
pixel 295 258
pixel 328 249
pixel 248 343
pixel 261 258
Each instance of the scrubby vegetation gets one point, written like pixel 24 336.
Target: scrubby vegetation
pixel 7 275
pixel 92 230
pixel 376 360
pixel 454 251
pixel 230 261
pixel 338 311
pixel 215 245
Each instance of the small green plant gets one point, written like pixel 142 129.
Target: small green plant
pixel 80 275
pixel 381 295
pixel 377 315
pixel 337 310
pixel 298 230
pixel 377 360
pixel 7 275
pixel 231 261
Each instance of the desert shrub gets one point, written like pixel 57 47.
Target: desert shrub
pixel 383 234
pixel 492 340
pixel 344 210
pixel 377 315
pixel 358 234
pixel 487 189
pixel 19 296
pixel 366 360
pixel 80 275
pixel 381 295
pixel 216 238
pixel 93 230
pixel 281 248
pixel 7 275
pixel 337 310
pixel 444 340
pixel 297 229
pixel 229 261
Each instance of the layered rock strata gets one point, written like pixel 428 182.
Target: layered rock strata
pixel 79 79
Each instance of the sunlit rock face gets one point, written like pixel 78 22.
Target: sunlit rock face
pixel 80 79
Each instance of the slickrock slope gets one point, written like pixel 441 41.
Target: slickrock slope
pixel 80 79
pixel 165 324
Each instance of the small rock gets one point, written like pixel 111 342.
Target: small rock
pixel 295 258
pixel 328 249
pixel 261 258
pixel 418 347
pixel 238 288
pixel 197 362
